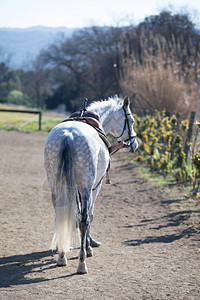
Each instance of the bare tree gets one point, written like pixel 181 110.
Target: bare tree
pixel 86 62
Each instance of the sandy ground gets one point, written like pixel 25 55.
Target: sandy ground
pixel 150 242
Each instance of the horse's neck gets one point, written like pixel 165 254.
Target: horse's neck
pixel 106 114
pixel 107 121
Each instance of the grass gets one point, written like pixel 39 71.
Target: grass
pixel 157 179
pixel 25 122
pixel 185 203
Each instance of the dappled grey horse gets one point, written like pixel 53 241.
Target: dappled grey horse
pixel 76 160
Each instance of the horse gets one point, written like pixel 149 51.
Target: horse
pixel 76 159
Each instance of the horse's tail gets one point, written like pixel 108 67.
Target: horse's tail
pixel 66 194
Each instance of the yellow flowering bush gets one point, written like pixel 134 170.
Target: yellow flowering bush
pixel 162 147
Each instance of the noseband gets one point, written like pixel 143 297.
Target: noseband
pixel 130 137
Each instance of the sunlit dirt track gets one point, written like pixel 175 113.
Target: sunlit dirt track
pixel 150 249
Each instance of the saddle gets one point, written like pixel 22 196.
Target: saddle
pixel 93 119
pixel 88 117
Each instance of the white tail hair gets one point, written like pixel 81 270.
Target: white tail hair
pixel 66 194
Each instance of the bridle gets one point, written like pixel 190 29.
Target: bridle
pixel 130 137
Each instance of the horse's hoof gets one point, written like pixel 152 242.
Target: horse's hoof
pixel 82 268
pixel 89 252
pixel 94 243
pixel 61 261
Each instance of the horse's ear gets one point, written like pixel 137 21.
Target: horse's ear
pixel 115 97
pixel 126 102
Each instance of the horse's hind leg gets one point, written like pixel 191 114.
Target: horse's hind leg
pixel 62 259
pixel 84 225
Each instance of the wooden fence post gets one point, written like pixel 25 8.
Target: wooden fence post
pixel 40 120
pixel 189 133
pixel 177 127
pixel 178 116
pixel 26 112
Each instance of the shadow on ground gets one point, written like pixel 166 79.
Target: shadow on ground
pixel 14 269
pixel 173 221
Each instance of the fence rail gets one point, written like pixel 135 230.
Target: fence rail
pixel 26 112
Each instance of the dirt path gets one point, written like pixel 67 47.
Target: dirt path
pixel 150 249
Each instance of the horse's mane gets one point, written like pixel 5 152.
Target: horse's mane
pixel 111 102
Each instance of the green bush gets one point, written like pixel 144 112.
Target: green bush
pixel 18 98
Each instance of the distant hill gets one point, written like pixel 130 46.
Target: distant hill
pixel 23 45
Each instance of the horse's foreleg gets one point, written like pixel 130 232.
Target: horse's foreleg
pixel 92 242
pixel 89 249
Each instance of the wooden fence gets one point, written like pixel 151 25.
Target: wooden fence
pixel 27 112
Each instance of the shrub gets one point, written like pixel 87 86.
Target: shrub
pixel 18 98
pixel 162 147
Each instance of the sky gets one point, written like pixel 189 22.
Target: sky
pixel 83 13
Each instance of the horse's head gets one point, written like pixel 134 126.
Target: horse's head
pixel 123 124
pixel 116 118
